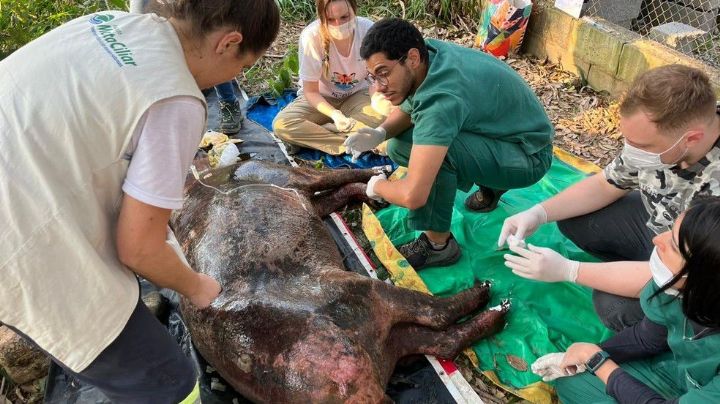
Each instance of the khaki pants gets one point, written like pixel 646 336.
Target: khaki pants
pixel 301 124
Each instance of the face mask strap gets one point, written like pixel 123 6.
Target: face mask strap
pixel 677 142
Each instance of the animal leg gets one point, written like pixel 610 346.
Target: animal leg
pixel 408 339
pixel 332 201
pixel 408 306
pixel 313 180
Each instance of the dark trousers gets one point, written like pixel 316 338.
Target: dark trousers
pixel 471 159
pixel 144 365
pixel 616 232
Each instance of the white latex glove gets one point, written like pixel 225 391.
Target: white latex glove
pixel 229 155
pixel 541 264
pixel 365 139
pixel 370 190
pixel 355 156
pixel 548 367
pixel 380 104
pixel 522 224
pixel 342 123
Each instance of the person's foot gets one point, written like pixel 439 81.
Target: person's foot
pixel 292 149
pixel 231 117
pixel 421 254
pixel 484 200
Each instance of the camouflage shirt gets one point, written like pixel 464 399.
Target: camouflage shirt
pixel 668 192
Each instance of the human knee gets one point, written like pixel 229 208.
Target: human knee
pixel 570 228
pixel 580 389
pixel 281 125
pixel 616 312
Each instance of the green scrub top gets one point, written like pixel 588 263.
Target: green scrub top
pixel 698 360
pixel 469 92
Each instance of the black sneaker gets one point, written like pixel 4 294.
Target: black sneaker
pixel 484 200
pixel 231 117
pixel 420 253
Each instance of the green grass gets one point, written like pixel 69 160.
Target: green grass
pixel 444 11
pixel 21 21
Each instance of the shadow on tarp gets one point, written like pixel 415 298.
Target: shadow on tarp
pixel 414 382
pixel 263 109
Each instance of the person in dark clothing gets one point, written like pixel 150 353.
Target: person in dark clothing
pixel 672 355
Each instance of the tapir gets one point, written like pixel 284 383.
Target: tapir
pixel 291 324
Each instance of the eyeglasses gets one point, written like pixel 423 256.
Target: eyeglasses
pixel 381 78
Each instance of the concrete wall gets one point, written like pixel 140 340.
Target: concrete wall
pixel 608 56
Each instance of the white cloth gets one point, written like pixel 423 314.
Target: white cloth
pixel 347 74
pixel 71 102
pixel 158 157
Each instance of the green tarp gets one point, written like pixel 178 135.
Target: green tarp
pixel 545 317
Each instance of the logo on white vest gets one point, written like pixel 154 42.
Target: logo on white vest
pixel 109 36
pixel 101 18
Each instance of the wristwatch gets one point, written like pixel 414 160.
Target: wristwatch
pixel 595 361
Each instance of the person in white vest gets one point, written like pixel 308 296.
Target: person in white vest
pixel 99 121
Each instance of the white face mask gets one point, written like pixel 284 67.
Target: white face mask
pixel 661 274
pixel 342 31
pixel 647 160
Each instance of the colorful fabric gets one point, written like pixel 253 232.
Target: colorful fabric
pixel 502 26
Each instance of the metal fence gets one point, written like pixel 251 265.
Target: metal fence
pixel 690 26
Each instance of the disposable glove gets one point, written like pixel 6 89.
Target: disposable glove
pixel 370 190
pixel 541 264
pixel 548 367
pixel 342 123
pixel 365 139
pixel 523 224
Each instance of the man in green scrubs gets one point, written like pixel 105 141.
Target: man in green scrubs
pixel 464 118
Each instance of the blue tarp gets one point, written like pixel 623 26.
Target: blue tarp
pixel 263 109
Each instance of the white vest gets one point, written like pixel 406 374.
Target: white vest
pixel 70 103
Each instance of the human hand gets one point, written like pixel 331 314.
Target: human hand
pixel 365 139
pixel 370 190
pixel 522 224
pixel 541 264
pixel 342 123
pixel 206 291
pixel 550 367
pixel 579 353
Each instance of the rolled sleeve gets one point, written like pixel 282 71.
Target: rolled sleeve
pixel 621 175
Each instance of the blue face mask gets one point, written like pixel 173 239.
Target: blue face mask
pixel 647 160
pixel 661 274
